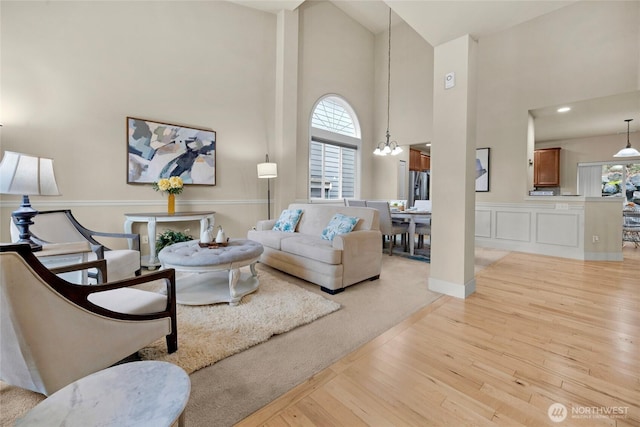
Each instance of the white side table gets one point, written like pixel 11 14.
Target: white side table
pixel 61 254
pixel 136 394
pixel 151 262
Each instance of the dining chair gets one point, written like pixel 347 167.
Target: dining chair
pixel 423 226
pixel 388 228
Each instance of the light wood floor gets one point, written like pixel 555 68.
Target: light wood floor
pixel 538 330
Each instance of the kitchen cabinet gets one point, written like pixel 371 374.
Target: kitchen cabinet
pixel 546 167
pixel 418 161
pixel 425 162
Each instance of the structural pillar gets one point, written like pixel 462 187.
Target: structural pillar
pixel 286 109
pixel 453 168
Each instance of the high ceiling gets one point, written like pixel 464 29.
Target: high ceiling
pixel 441 21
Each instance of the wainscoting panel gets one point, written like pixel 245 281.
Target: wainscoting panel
pixel 513 226
pixel 483 223
pixel 545 227
pixel 558 229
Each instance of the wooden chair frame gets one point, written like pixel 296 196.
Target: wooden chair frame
pixel 79 294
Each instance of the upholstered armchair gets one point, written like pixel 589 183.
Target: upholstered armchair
pixel 55 332
pixel 60 226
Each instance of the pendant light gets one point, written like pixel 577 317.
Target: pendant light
pixel 387 146
pixel 628 151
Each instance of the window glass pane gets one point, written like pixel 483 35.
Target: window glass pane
pixel 621 181
pixel 332 171
pixel 335 138
pixel 332 116
pixel 612 178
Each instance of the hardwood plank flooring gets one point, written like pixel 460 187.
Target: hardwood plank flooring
pixel 538 331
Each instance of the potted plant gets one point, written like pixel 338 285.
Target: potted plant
pixel 169 237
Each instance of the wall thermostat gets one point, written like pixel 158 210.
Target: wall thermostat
pixel 449 80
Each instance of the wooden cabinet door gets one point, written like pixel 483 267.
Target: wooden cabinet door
pixel 414 160
pixel 546 167
pixel 425 162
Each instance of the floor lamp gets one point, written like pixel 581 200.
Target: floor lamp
pixel 27 175
pixel 267 171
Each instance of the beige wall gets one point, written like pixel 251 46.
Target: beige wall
pixel 73 71
pixel 336 57
pixel 583 51
pixel 411 102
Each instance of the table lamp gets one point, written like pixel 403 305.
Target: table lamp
pixel 29 176
pixel 268 170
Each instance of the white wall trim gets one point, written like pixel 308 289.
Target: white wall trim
pixel 39 204
pixel 453 289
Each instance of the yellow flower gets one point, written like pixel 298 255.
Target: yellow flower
pixel 164 184
pixel 175 182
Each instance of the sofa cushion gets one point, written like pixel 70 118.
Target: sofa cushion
pixel 339 224
pixel 312 247
pixel 288 220
pixel 269 238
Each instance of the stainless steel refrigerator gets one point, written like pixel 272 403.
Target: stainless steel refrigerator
pixel 418 186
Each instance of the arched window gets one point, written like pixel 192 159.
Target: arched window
pixel 333 153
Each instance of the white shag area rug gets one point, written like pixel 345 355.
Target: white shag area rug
pixel 209 333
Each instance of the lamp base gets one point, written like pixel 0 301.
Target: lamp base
pixel 22 219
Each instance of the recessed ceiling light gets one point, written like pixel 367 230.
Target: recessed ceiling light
pixel 564 109
pixel 428 144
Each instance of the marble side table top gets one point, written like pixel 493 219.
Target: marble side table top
pixel 146 393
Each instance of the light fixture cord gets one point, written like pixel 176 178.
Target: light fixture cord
pixel 628 141
pixel 389 79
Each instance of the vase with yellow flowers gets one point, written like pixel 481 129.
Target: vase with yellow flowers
pixel 171 186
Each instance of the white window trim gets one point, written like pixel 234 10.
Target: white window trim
pixel 323 135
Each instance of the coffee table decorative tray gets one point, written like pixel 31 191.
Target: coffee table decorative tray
pixel 214 245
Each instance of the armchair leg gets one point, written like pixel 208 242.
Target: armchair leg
pixel 172 342
pixel 172 338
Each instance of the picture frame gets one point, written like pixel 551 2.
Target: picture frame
pixel 482 169
pixel 158 150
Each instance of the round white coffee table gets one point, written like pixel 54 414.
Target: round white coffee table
pixel 218 277
pixel 148 393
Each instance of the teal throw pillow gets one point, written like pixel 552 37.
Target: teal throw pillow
pixel 339 224
pixel 288 220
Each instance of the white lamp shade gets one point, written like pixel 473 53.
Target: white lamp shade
pixel 267 170
pixel 627 152
pixel 27 175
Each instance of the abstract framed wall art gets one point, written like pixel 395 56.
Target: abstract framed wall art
pixel 482 169
pixel 160 150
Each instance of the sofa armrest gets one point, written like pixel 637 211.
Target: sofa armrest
pixel 265 224
pixel 361 254
pixel 359 241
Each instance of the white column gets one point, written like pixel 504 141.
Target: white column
pixel 453 169
pixel 286 109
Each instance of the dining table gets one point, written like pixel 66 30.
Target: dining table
pixel 414 216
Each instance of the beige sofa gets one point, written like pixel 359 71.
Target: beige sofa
pixel 349 259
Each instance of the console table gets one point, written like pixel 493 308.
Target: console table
pixel 151 262
pixel 147 393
